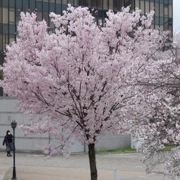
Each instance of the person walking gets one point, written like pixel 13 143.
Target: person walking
pixel 8 140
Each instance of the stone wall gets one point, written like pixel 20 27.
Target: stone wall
pixel 9 112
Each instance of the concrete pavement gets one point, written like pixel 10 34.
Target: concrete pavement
pixel 3 170
pixel 37 167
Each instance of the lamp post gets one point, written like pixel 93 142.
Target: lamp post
pixel 13 125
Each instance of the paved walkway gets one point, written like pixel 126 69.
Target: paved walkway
pixel 37 167
pixel 3 170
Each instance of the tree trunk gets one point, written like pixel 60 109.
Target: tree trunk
pixel 92 161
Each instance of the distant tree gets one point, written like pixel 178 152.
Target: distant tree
pixel 75 79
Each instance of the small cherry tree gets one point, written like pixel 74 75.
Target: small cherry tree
pixel 75 79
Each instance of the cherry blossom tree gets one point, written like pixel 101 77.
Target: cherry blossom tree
pixel 75 78
pixel 161 127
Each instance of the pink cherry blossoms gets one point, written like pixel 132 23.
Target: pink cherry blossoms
pixel 79 80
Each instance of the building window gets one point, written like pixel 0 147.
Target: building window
pixel 142 6
pixel 32 5
pixel 39 16
pixel 117 5
pixel 105 5
pixel 96 4
pixel 83 3
pixel 11 16
pixel 11 38
pixel 18 4
pixel 5 15
pixel 165 10
pixel 170 11
pixel 64 2
pixel 11 3
pixel 147 7
pixel 25 4
pixel 161 10
pixel 127 3
pixel 5 3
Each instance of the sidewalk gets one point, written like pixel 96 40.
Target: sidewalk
pixel 36 167
pixel 3 171
pixel 49 173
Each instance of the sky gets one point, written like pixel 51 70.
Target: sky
pixel 176 16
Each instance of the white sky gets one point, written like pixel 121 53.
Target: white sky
pixel 176 16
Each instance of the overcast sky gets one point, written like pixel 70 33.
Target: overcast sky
pixel 176 16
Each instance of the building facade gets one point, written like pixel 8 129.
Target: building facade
pixel 10 13
pixel 9 17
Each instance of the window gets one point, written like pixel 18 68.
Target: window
pixel 11 4
pixel 17 15
pixel 170 11
pixel 5 3
pixel 151 5
pixel 0 16
pixel 5 41
pixel 39 16
pixel 58 1
pixel 111 4
pixel 64 2
pixel 161 10
pixel 96 4
pixel 12 29
pixel 5 15
pixel 137 4
pixel 39 6
pixel 32 5
pixel 161 21
pixel 161 28
pixel 52 6
pixel 83 3
pixel 45 6
pixel 1 46
pixel 46 16
pixel 25 4
pixel 157 9
pixel 71 2
pixel 11 16
pixel 117 5
pixel 11 38
pixel 18 4
pixel 142 6
pixel 147 7
pixel 127 3
pixel 58 8
pixel 131 2
pixel 165 10
pixel 105 4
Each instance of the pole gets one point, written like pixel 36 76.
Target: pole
pixel 14 166
pixel 116 175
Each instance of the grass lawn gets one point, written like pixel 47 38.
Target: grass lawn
pixel 120 150
pixel 131 150
pixel 169 147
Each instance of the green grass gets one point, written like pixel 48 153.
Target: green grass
pixel 130 150
pixel 169 147
pixel 120 150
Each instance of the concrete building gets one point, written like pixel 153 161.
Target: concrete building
pixel 9 17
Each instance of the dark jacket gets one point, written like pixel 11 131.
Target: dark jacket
pixel 8 139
